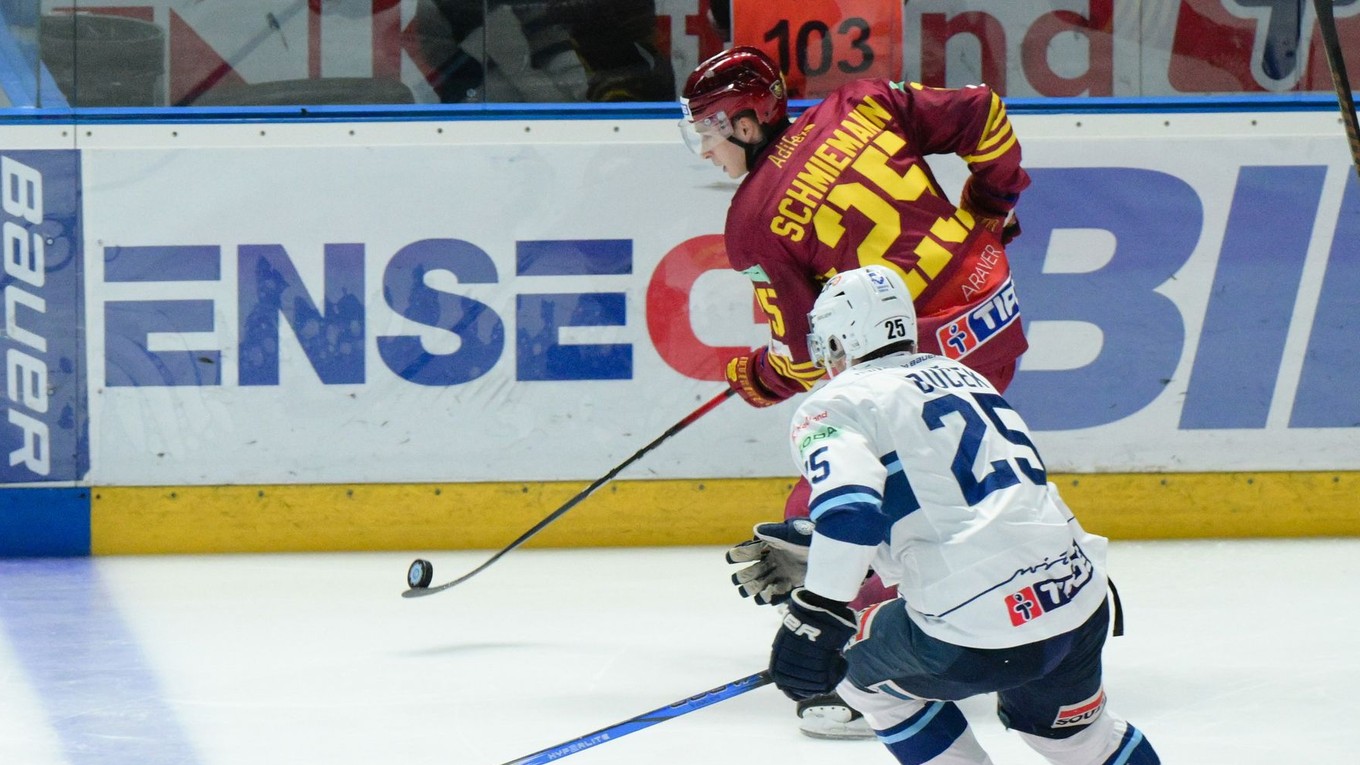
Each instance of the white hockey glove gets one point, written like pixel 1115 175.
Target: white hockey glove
pixel 780 554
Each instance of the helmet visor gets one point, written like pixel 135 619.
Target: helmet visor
pixel 824 350
pixel 816 350
pixel 703 134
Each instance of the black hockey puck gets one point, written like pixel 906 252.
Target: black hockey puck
pixel 419 575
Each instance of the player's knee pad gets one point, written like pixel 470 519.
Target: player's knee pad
pixel 1105 741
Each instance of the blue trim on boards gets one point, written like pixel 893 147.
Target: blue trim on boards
pixel 1291 102
pixel 44 522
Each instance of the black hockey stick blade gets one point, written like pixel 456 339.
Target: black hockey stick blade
pixel 420 592
pixel 645 720
pixel 1331 43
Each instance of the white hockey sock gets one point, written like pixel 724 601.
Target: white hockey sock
pixel 1105 740
pixel 918 732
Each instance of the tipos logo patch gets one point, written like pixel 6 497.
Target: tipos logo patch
pixel 1035 600
pixel 1081 713
pixel 1024 606
pixel 964 334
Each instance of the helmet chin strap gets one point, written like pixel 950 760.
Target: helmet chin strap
pixel 753 148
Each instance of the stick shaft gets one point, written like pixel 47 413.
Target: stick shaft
pixel 1331 44
pixel 645 720
pixel 574 501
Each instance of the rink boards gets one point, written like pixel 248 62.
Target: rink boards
pixel 406 331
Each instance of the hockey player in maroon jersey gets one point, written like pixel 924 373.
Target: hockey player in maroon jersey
pixel 847 185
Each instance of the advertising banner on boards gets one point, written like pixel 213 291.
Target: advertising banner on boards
pixel 414 302
pixel 46 434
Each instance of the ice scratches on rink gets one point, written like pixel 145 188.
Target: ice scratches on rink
pixel 1237 652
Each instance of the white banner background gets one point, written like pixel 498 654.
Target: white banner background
pixel 384 186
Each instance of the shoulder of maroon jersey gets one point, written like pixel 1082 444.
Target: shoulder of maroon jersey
pixel 737 240
pixel 832 109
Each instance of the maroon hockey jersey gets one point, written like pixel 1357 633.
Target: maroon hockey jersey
pixel 847 185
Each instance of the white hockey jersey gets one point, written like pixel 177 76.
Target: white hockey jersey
pixel 920 469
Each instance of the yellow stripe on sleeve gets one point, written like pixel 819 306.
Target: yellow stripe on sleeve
pixel 806 373
pixel 993 154
pixel 997 135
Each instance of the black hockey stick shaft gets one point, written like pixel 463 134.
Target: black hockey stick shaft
pixel 688 420
pixel 645 720
pixel 1331 43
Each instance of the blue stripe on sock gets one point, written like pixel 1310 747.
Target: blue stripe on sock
pixel 1133 750
pixel 102 699
pixel 925 735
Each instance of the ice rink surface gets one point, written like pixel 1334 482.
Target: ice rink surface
pixel 1236 652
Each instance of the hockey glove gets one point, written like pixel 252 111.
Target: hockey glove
pixel 780 553
pixel 1010 229
pixel 990 213
pixel 744 375
pixel 805 659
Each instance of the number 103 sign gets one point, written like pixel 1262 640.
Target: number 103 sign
pixel 823 44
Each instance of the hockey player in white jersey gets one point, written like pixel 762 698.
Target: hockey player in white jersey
pixel 921 472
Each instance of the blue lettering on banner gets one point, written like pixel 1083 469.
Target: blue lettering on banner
pixel 1327 396
pixel 127 327
pixel 332 337
pixel 333 333
pixel 1252 302
pixel 480 332
pixel 540 355
pixel 1156 220
pixel 45 421
pixel 128 324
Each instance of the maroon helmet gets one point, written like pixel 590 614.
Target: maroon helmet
pixel 735 81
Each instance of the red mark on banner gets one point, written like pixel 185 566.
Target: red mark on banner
pixel 1095 28
pixel 1098 30
pixel 701 25
pixel 1222 46
pixel 195 67
pixel 937 30
pixel 668 317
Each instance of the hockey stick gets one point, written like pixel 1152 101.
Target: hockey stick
pixel 645 720
pixel 1331 43
pixel 421 570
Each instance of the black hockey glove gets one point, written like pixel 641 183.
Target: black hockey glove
pixel 1010 229
pixel 805 660
pixel 780 552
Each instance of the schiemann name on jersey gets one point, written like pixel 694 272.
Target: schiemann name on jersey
pixel 45 430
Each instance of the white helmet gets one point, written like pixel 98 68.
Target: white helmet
pixel 859 312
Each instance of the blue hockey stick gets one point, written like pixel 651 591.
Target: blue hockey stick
pixel 645 720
